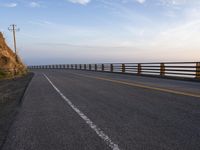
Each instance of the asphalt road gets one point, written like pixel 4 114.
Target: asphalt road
pixel 81 110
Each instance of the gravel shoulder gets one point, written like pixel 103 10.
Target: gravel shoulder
pixel 11 95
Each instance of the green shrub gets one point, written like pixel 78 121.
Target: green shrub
pixel 2 74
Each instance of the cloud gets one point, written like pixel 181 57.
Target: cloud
pixel 43 23
pixel 178 2
pixel 34 4
pixel 141 1
pixel 82 2
pixel 9 5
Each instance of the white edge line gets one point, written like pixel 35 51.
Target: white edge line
pixel 94 127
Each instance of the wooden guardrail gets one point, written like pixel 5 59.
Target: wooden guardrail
pixel 165 69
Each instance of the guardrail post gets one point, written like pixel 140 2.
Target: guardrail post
pixel 72 67
pixel 90 67
pixel 139 69
pixel 76 67
pixel 95 66
pixel 102 67
pixel 80 66
pixel 111 67
pixel 85 67
pixel 123 68
pixel 198 70
pixel 162 69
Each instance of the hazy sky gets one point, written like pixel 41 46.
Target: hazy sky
pixel 92 31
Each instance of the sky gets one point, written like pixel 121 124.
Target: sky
pixel 103 31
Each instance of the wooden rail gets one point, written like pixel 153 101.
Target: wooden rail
pixel 164 69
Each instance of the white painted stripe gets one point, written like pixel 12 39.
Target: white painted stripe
pixel 94 127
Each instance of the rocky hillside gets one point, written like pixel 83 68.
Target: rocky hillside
pixel 10 65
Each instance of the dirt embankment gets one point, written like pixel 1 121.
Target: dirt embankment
pixel 10 64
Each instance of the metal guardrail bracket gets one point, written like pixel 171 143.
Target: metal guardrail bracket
pixel 123 68
pixel 139 69
pixel 162 69
pixel 111 67
pixel 198 70
pixel 102 67
pixel 95 67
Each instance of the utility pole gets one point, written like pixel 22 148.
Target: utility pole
pixel 13 29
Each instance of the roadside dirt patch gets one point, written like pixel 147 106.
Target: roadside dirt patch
pixel 11 94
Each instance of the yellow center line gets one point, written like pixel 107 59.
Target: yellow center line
pixel 141 86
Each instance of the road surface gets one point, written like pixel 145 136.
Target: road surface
pixel 82 110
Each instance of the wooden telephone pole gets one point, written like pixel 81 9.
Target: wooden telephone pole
pixel 13 29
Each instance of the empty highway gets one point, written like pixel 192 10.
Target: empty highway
pixel 82 110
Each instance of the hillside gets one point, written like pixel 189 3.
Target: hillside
pixel 10 65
